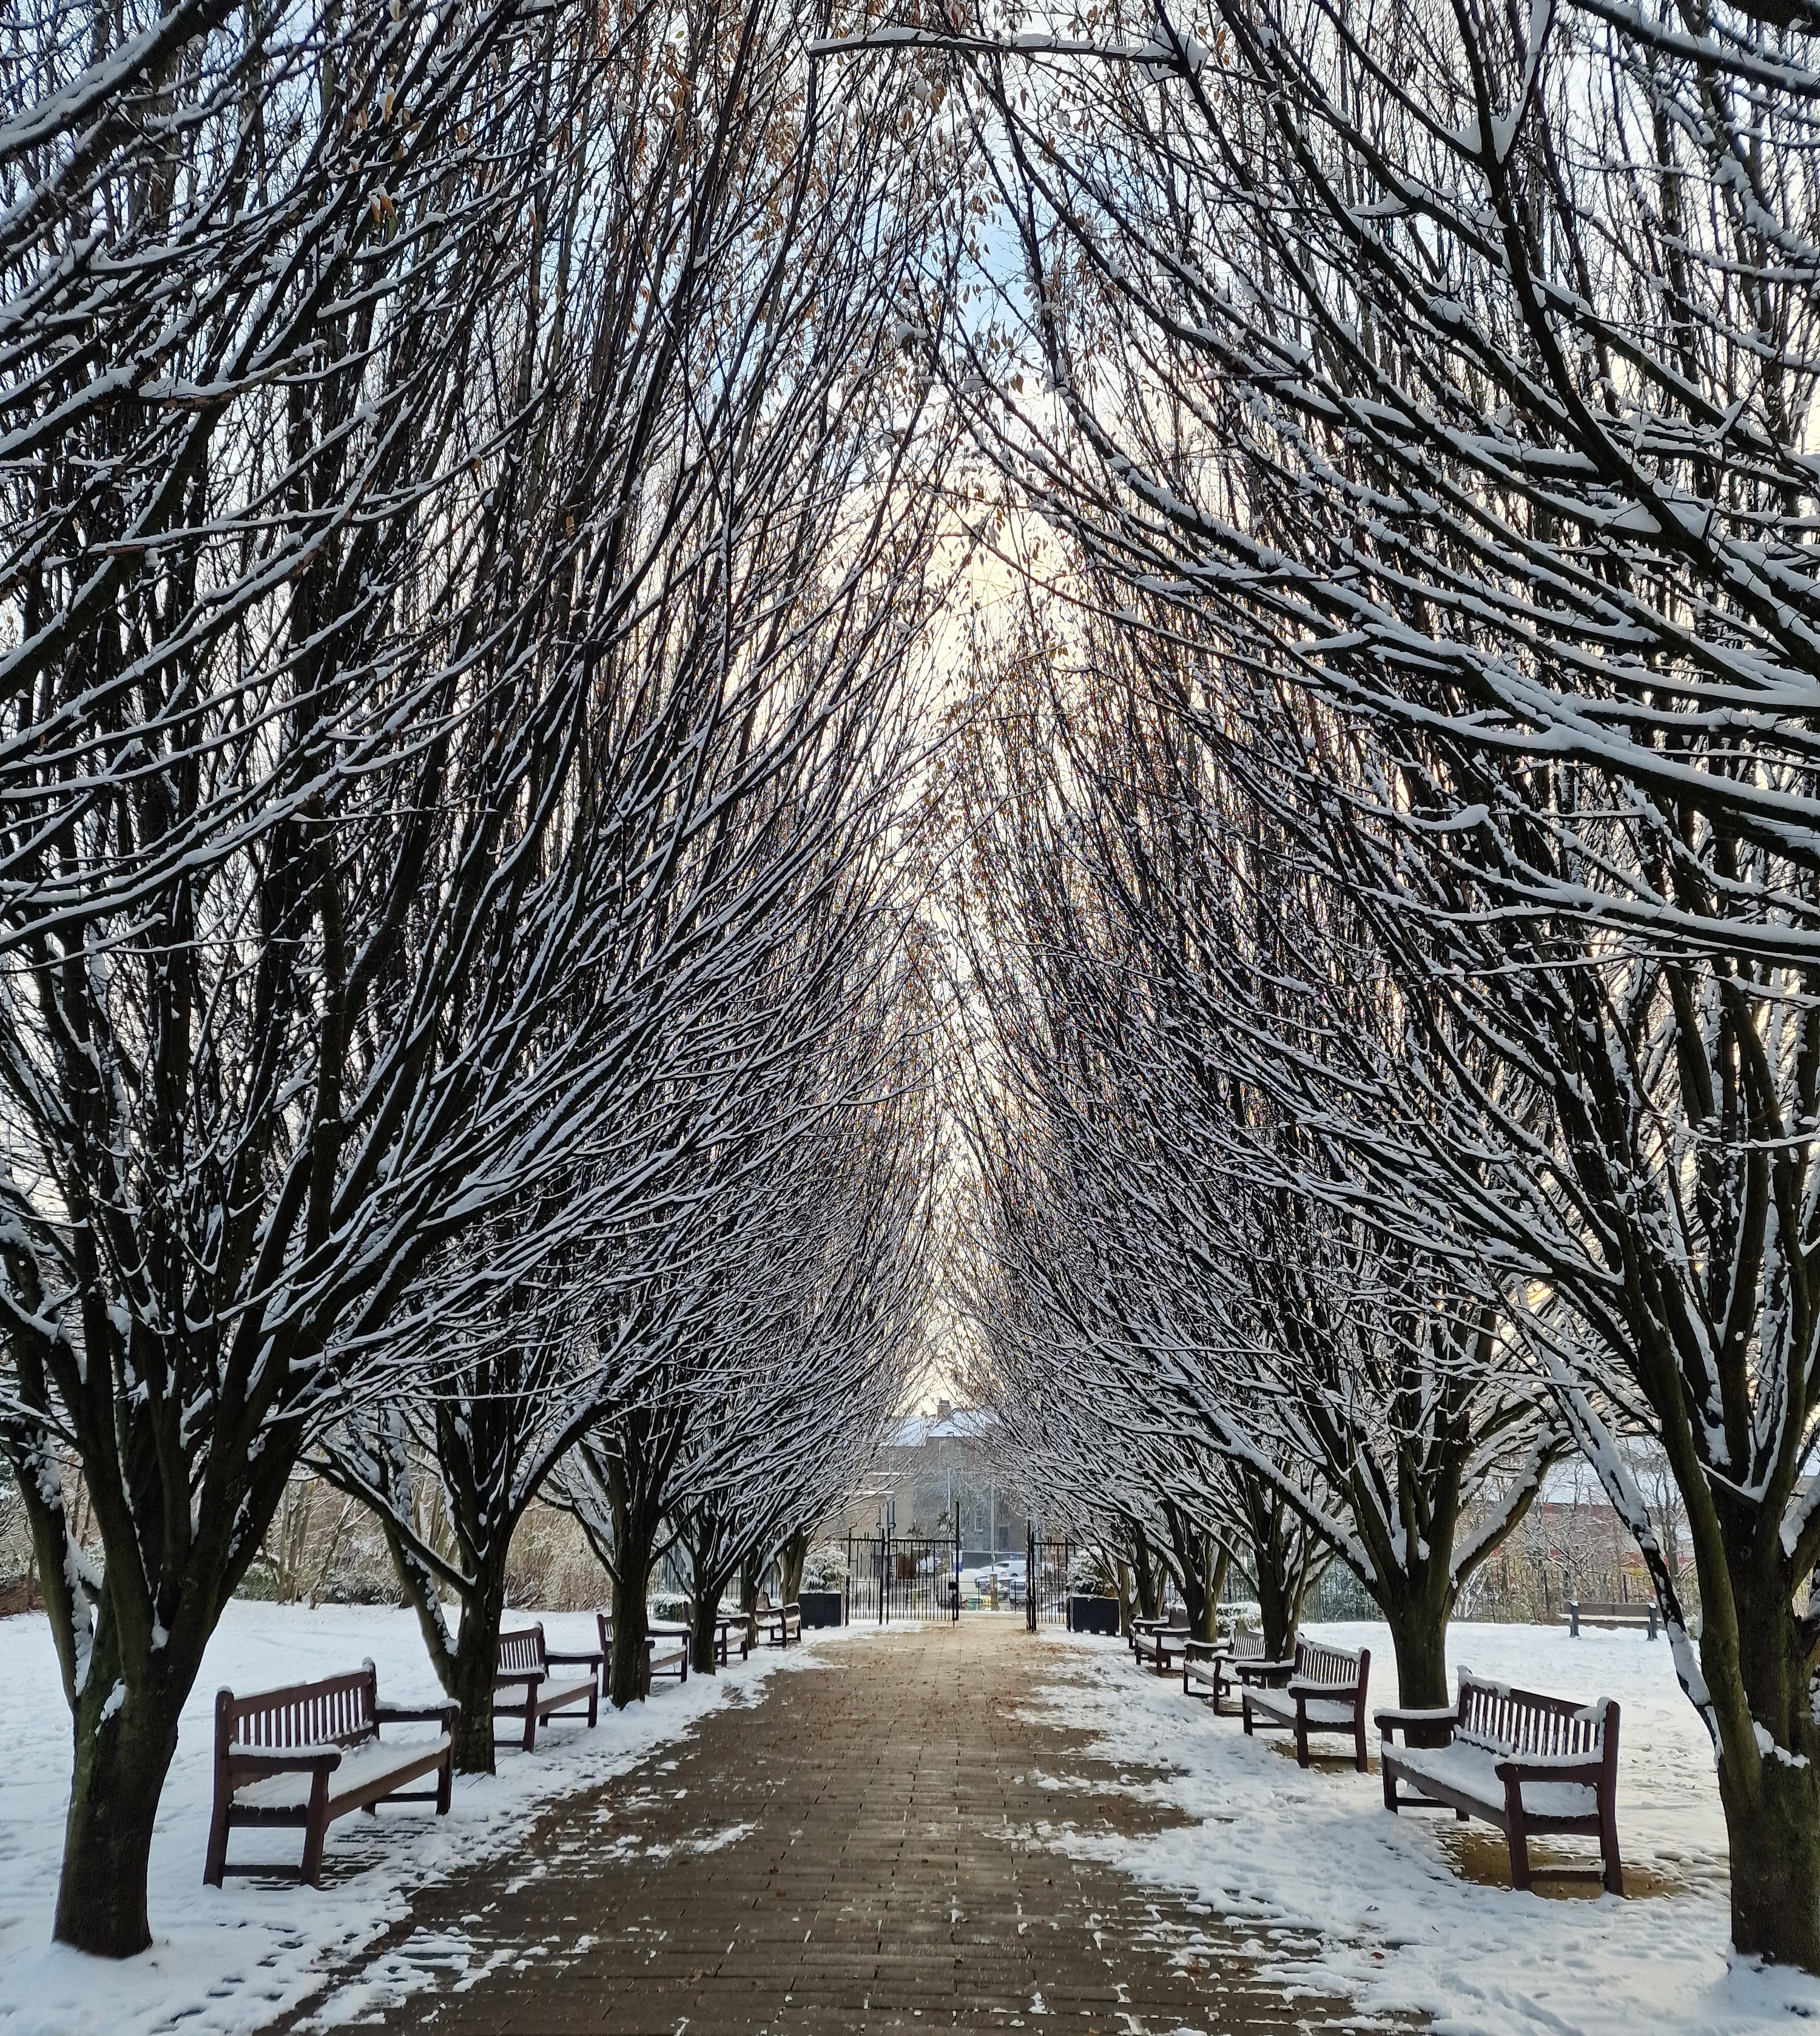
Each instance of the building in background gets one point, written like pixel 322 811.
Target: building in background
pixel 937 1468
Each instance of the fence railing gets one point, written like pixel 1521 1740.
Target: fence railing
pixel 902 1576
pixel 1045 1597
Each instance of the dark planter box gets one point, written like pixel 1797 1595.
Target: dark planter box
pixel 821 1607
pixel 1093 1615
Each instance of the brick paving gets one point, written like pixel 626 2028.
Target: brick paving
pixel 872 1844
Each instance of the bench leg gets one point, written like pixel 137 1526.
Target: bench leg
pixel 1358 1745
pixel 593 1705
pixel 1516 1830
pixel 530 1723
pixel 316 1830
pixel 1388 1775
pixel 1614 1874
pixel 217 1863
pixel 1244 1708
pixel 1301 1733
pixel 445 1782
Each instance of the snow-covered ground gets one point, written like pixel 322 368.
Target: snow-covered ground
pixel 231 1959
pixel 1297 1856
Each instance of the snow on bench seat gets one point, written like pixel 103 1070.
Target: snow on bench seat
pixel 355 1772
pixel 1526 1762
pixel 1471 1770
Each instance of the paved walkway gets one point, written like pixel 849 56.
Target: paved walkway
pixel 871 1845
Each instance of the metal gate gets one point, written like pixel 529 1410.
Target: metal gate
pixel 902 1576
pixel 1046 1598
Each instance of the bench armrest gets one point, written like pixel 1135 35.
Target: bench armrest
pixel 443 1714
pixel 283 1759
pixel 1205 1650
pixel 1306 1686
pixel 594 1659
pixel 1388 1720
pixel 1248 1665
pixel 533 1676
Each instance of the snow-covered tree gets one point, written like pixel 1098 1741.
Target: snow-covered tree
pixel 1454 370
pixel 447 471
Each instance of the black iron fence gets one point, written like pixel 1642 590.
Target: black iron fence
pixel 902 1576
pixel 1046 1596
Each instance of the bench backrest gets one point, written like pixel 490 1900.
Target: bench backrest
pixel 1507 1721
pixel 604 1626
pixel 1247 1647
pixel 340 1710
pixel 1595 1608
pixel 522 1653
pixel 1316 1663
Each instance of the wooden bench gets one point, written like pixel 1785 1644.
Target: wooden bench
pixel 776 1625
pixel 306 1754
pixel 1325 1692
pixel 1224 1666
pixel 1528 1764
pixel 525 1663
pixel 1138 1636
pixel 726 1625
pixel 1156 1642
pixel 1621 1618
pixel 666 1653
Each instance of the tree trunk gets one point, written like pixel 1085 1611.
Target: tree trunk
pixel 1209 1629
pixel 1772 1805
pixel 1146 1576
pixel 469 1681
pixel 636 1536
pixel 1278 1578
pixel 466 1665
pixel 1418 1636
pixel 1203 1575
pixel 704 1615
pixel 791 1557
pixel 121 1758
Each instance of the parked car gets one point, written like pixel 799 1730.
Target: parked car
pixel 1010 1571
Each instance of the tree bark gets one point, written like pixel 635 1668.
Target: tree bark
pixel 470 1678
pixel 1203 1572
pixel 791 1557
pixel 466 1665
pixel 1216 1583
pixel 704 1613
pixel 1418 1637
pixel 1146 1576
pixel 1772 1804
pixel 635 1538
pixel 121 1758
